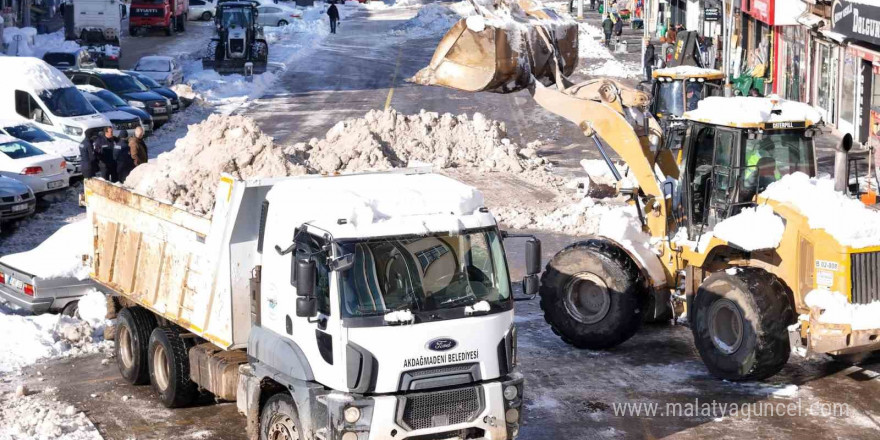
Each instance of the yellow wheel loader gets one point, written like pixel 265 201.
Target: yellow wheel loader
pixel 676 90
pixel 745 305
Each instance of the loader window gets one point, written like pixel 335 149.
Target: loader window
pixel 669 99
pixel 774 155
pixel 714 178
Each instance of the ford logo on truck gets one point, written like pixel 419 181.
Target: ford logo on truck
pixel 442 344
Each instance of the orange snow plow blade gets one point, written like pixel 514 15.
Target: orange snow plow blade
pixel 483 57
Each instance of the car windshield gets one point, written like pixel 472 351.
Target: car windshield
pixel 147 81
pixel 19 150
pixel 98 103
pixel 111 98
pixel 28 132
pixel 123 84
pixel 424 274
pixel 153 65
pixel 775 155
pixel 60 59
pixel 670 99
pixel 236 17
pixel 66 102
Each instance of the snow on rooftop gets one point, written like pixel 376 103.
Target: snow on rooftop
pixel 59 256
pixel 687 70
pixel 382 204
pixel 745 110
pixel 847 220
pixel 28 73
pixel 89 88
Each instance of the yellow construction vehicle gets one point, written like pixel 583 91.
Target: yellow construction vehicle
pixel 742 302
pixel 676 90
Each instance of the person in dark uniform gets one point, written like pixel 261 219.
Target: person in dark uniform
pixel 650 59
pixel 124 161
pixel 103 146
pixel 333 13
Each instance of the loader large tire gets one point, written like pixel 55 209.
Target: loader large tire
pixel 133 328
pixel 279 418
pixel 169 368
pixel 592 295
pixel 740 324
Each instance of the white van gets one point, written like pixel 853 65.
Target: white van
pixel 33 89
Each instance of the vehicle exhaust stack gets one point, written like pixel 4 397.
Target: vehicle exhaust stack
pixel 841 163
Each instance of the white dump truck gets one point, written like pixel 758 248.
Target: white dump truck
pixel 371 306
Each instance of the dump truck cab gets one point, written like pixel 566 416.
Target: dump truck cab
pixel 676 90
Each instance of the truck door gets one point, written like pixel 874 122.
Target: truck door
pixel 313 247
pixel 711 179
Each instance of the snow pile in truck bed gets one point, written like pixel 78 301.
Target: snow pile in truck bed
pixel 836 309
pixel 847 220
pixel 60 256
pixel 188 175
pixel 752 229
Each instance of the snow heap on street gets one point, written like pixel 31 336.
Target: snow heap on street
pixel 598 59
pixel 188 175
pixel 752 229
pixel 49 335
pixel 836 309
pixel 60 256
pixel 32 44
pixel 434 19
pixel 752 110
pixel 40 416
pixel 847 220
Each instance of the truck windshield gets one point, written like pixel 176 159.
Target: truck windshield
pixel 123 84
pixel 66 102
pixel 28 132
pixel 425 274
pixel 669 99
pixel 775 155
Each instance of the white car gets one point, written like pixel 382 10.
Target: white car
pixel 201 10
pixel 27 131
pixel 162 69
pixel 277 15
pixel 40 171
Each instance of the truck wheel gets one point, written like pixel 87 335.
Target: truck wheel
pixel 133 328
pixel 279 419
pixel 169 368
pixel 282 23
pixel 206 16
pixel 592 295
pixel 71 309
pixel 740 324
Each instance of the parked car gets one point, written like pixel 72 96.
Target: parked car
pixel 120 119
pixel 27 131
pixel 163 69
pixel 158 88
pixel 16 199
pixel 41 171
pixel 120 104
pixel 34 90
pixel 201 10
pixel 128 88
pixel 71 59
pixel 277 15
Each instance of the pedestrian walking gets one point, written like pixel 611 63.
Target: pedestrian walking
pixel 333 13
pixel 607 27
pixel 618 27
pixel 592 5
pixel 124 160
pixel 103 146
pixel 88 161
pixel 650 59
pixel 137 147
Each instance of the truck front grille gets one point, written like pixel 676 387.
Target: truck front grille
pixel 440 408
pixel 865 272
pixel 236 45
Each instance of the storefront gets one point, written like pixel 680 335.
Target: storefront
pixel 766 49
pixel 826 60
pixel 793 65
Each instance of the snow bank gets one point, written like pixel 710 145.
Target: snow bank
pixel 188 175
pixel 836 309
pixel 60 256
pixel 433 19
pixel 41 416
pixel 752 110
pixel 847 220
pixel 613 68
pixel 752 229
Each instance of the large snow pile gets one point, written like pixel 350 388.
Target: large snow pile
pixel 432 19
pixel 847 220
pixel 752 229
pixel 48 335
pixel 26 42
pixel 188 175
pixel 836 309
pixel 59 256
pixel 40 416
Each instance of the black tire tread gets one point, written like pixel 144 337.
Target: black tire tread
pixel 178 349
pixel 144 322
pixel 282 398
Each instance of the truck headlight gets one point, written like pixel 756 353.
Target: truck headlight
pixel 512 415
pixel 510 392
pixel 137 104
pixel 73 131
pixel 352 414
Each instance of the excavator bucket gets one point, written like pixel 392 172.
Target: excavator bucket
pixel 501 52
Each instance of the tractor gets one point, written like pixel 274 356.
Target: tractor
pixel 239 46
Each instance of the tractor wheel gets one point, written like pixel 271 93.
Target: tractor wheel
pixel 282 23
pixel 740 324
pixel 279 418
pixel 133 328
pixel 206 16
pixel 169 368
pixel 592 295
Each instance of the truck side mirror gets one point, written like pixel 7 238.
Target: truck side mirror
pixel 306 307
pixel 530 288
pixel 533 256
pixel 305 279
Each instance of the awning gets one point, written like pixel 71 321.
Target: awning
pixel 833 36
pixel 812 21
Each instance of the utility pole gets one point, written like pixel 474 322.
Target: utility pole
pixel 26 13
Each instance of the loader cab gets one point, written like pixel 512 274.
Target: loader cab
pixel 677 90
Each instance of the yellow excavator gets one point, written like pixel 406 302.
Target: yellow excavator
pixel 745 305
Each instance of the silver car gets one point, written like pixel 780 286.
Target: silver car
pixel 277 15
pixel 16 199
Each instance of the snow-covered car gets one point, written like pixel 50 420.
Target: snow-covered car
pixel 201 10
pixel 16 199
pixel 277 15
pixel 154 86
pixel 163 69
pixel 120 119
pixel 70 59
pixel 27 131
pixel 40 171
pixel 120 104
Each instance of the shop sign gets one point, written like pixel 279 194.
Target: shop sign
pixel 712 14
pixel 760 9
pixel 856 20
